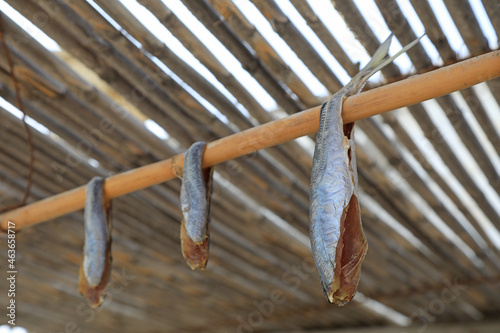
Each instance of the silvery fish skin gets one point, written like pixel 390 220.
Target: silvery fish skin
pixel 96 232
pixel 337 239
pixel 193 193
pixel 96 265
pixel 196 190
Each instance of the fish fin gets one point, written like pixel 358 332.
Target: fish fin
pixel 196 254
pixel 378 62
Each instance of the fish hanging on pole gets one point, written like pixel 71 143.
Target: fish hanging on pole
pixel 95 269
pixel 196 192
pixel 337 239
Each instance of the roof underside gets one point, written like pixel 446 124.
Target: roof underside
pixel 105 78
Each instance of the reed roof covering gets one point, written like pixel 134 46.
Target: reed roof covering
pixel 110 86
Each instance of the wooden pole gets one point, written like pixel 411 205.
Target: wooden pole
pixel 410 91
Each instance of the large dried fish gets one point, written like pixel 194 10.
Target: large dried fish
pixel 196 193
pixel 337 239
pixel 96 265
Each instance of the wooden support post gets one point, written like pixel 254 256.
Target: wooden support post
pixel 410 91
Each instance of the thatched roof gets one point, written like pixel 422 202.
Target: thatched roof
pixel 428 174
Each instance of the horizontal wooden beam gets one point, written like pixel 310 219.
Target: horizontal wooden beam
pixel 410 91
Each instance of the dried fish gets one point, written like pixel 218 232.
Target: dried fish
pixel 96 265
pixel 337 239
pixel 196 191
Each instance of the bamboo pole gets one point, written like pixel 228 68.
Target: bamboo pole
pixel 410 91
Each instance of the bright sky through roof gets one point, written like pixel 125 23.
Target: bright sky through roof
pixel 29 27
pixel 301 24
pixel 156 129
pixel 376 22
pixel 8 329
pixel 337 27
pixel 419 30
pixel 449 28
pixel 16 112
pixel 484 23
pixel 254 16
pixel 324 10
pixel 224 56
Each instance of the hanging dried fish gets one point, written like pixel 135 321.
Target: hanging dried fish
pixel 96 266
pixel 196 191
pixel 337 239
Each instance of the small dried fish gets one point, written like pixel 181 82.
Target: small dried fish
pixel 196 191
pixel 96 265
pixel 337 239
